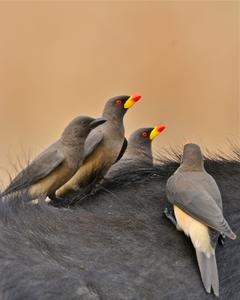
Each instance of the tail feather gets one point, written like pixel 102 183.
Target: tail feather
pixel 228 231
pixel 209 272
pixel 230 234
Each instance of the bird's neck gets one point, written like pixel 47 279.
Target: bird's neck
pixel 70 142
pixel 114 125
pixel 139 152
pixel 73 151
pixel 189 166
pixel 113 118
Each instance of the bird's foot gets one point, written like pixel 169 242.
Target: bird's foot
pixel 75 188
pixel 47 199
pixel 53 197
pixel 221 239
pixel 96 188
pixel 169 215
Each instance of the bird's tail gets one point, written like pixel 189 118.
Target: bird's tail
pixel 228 231
pixel 209 273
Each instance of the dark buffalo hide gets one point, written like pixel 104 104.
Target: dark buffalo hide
pixel 115 244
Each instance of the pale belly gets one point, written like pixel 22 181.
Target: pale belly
pixel 51 183
pixel 97 164
pixel 197 231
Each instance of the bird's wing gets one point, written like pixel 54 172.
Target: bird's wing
pixel 211 186
pixel 190 196
pixel 93 140
pixel 124 147
pixel 40 167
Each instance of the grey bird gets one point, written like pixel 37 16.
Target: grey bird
pixel 104 146
pixel 139 150
pixel 197 205
pixel 56 164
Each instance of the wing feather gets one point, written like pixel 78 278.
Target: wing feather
pixel 40 167
pixel 191 196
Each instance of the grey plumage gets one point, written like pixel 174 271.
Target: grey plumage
pixel 197 205
pixel 197 194
pixel 208 271
pixel 139 147
pixel 40 167
pixel 138 152
pixel 56 164
pixel 103 147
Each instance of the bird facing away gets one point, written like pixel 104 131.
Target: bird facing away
pixel 197 205
pixel 104 146
pixel 57 164
pixel 139 150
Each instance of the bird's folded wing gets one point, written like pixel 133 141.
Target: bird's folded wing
pixel 124 147
pixel 41 166
pixel 93 140
pixel 191 197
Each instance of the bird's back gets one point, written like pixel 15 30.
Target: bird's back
pixel 42 165
pixel 201 180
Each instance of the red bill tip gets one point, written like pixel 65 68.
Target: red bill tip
pixel 160 128
pixel 136 98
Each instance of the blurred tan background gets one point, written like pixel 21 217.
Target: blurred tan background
pixel 62 59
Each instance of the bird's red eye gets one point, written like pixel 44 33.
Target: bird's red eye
pixel 145 134
pixel 119 102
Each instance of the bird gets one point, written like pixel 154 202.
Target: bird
pixel 104 146
pixel 139 150
pixel 197 205
pixel 56 164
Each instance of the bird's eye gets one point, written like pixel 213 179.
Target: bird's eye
pixel 144 134
pixel 119 102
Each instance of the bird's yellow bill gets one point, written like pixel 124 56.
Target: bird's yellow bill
pixel 156 130
pixel 131 101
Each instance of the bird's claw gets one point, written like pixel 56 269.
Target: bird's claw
pixel 166 212
pixel 221 239
pixel 55 198
pixel 169 215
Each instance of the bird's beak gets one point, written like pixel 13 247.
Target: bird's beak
pixel 97 122
pixel 156 130
pixel 131 101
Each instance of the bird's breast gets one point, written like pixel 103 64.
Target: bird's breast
pixel 95 166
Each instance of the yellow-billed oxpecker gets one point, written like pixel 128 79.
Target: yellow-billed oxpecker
pixel 104 146
pixel 57 164
pixel 197 205
pixel 139 150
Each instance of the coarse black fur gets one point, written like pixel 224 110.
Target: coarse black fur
pixel 116 244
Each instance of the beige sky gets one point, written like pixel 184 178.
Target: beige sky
pixel 59 60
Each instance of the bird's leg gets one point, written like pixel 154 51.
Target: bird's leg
pixel 169 215
pixel 53 197
pixel 221 239
pixel 95 188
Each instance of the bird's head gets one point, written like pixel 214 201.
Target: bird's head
pixel 116 107
pixel 80 127
pixel 192 158
pixel 145 136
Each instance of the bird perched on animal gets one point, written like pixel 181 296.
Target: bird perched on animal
pixel 197 205
pixel 103 147
pixel 57 164
pixel 114 246
pixel 139 150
